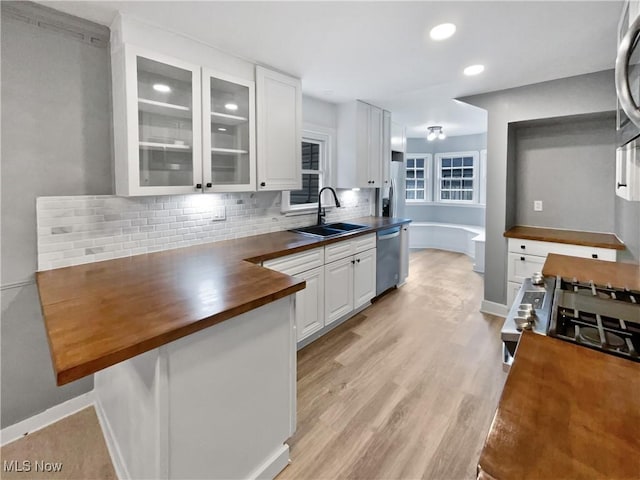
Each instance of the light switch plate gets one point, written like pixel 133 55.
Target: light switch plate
pixel 537 205
pixel 218 213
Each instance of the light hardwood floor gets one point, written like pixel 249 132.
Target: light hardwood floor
pixel 408 388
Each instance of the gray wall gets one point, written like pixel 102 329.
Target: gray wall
pixel 568 166
pixel 584 94
pixel 56 140
pixel 319 112
pixel 442 213
pixel 459 143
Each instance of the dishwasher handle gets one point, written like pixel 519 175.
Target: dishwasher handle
pixel 389 233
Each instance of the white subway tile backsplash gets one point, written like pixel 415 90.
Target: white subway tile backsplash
pixel 83 229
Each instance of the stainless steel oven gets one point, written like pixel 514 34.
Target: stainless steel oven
pixel 628 77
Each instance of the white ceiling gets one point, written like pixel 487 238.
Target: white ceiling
pixel 381 52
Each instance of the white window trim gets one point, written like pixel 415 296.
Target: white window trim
pixel 476 177
pixel 314 133
pixel 428 177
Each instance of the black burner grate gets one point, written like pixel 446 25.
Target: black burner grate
pixel 593 330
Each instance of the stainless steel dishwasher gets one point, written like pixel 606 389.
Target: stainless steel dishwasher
pixel 387 259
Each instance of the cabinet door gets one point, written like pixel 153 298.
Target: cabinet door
pixel 386 148
pixel 279 131
pixel 310 303
pixel 364 278
pixel 228 119
pixel 628 172
pixel 338 289
pixel 375 146
pixel 523 266
pixel 362 126
pixel 157 124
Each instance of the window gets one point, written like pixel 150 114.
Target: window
pixel 457 177
pixel 417 187
pixel 316 147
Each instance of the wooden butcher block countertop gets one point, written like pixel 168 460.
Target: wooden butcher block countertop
pixel 102 313
pixel 589 239
pixel 619 275
pixel 566 412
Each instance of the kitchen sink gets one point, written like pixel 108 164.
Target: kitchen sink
pixel 347 227
pixel 319 231
pixel 329 230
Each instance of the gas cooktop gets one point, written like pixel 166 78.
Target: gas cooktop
pixel 597 316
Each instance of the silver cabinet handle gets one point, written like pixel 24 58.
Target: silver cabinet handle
pixel 623 88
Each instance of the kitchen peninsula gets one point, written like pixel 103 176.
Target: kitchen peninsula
pixel 201 347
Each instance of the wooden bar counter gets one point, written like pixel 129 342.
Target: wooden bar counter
pixel 193 352
pixel 619 275
pixel 573 237
pixel 102 313
pixel 566 412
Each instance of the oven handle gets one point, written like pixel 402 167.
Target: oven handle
pixel 623 89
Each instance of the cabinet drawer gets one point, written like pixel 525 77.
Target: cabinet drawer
pixel 339 250
pixel 366 242
pixel 297 262
pixel 523 266
pixel 542 249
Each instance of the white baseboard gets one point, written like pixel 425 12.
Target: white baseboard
pixel 273 465
pixel 46 418
pixel 114 450
pixel 494 308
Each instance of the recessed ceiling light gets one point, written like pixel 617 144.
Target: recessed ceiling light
pixel 442 31
pixel 222 129
pixel 474 70
pixel 231 106
pixel 161 87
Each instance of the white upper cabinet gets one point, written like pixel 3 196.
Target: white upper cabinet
pixel 228 117
pixel 628 172
pixel 279 125
pixel 386 148
pixel 398 138
pixel 157 123
pixel 182 128
pixel 363 137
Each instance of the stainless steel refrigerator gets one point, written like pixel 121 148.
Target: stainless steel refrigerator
pixel 393 197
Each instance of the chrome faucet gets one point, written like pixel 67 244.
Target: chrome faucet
pixel 321 212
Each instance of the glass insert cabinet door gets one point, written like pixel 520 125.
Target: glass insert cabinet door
pixel 228 119
pixel 169 125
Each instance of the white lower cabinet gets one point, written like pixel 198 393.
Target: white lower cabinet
pixel 338 281
pixel 346 282
pixel 310 303
pixel 364 278
pixel 523 266
pixel 526 257
pixel 350 283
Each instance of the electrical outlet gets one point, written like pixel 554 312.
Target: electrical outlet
pixel 218 213
pixel 537 205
